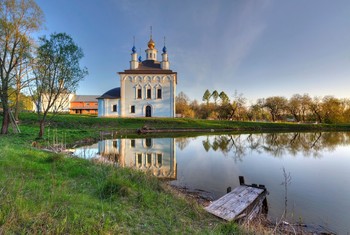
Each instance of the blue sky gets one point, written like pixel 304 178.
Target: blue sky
pixel 260 48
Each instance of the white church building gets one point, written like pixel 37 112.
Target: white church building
pixel 147 88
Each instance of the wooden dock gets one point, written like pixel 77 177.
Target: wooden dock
pixel 245 201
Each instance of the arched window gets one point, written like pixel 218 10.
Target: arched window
pixel 148 142
pixel 159 93
pixel 139 93
pixel 114 108
pixel 149 93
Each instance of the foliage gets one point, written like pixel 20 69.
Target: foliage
pixel 276 106
pixel 224 98
pixel 298 108
pixel 57 73
pixel 206 96
pixel 18 19
pixel 19 101
pixel 215 96
pixel 182 106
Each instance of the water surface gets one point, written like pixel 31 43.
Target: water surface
pixel 316 167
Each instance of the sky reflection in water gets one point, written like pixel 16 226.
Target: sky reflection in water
pixel 319 165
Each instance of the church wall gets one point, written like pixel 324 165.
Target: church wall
pixel 163 107
pixel 105 107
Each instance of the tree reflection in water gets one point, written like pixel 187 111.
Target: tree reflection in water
pixel 182 142
pixel 277 144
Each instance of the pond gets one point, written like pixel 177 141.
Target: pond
pixel 314 167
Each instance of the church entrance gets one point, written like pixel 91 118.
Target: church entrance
pixel 148 111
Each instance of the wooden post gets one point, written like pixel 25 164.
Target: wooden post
pixel 265 207
pixel 241 180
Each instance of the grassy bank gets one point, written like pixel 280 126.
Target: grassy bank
pixel 78 127
pixel 43 192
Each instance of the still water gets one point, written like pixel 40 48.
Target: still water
pixel 316 166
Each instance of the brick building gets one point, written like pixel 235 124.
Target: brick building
pixel 83 104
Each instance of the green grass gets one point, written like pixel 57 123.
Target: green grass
pixel 43 192
pixel 48 193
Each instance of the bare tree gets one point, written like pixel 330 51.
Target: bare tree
pixel 18 19
pixel 238 106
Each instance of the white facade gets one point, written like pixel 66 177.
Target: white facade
pixel 157 97
pixel 147 89
pixel 61 105
pixel 154 155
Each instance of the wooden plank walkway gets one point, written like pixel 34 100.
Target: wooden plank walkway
pixel 234 204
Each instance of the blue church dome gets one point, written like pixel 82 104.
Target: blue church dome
pixel 164 49
pixel 111 94
pixel 140 59
pixel 133 49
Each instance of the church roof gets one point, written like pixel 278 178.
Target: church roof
pixel 148 67
pixel 84 98
pixel 111 94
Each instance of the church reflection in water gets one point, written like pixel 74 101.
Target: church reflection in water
pixel 154 155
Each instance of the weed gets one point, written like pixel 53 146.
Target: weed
pixel 55 157
pixel 115 186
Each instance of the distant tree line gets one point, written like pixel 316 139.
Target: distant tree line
pixel 298 108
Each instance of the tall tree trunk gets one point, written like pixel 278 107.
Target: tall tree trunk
pixel 5 122
pixel 42 129
pixel 17 105
pixel 6 114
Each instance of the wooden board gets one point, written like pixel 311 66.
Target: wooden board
pixel 231 205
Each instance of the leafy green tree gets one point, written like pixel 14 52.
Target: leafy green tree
pixel 305 106
pixel 18 19
pixel 56 74
pixel 316 109
pixel 19 101
pixel 299 106
pixel 333 109
pixel 224 98
pixel 215 96
pixel 295 106
pixel 276 106
pixel 206 96
pixel 224 110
